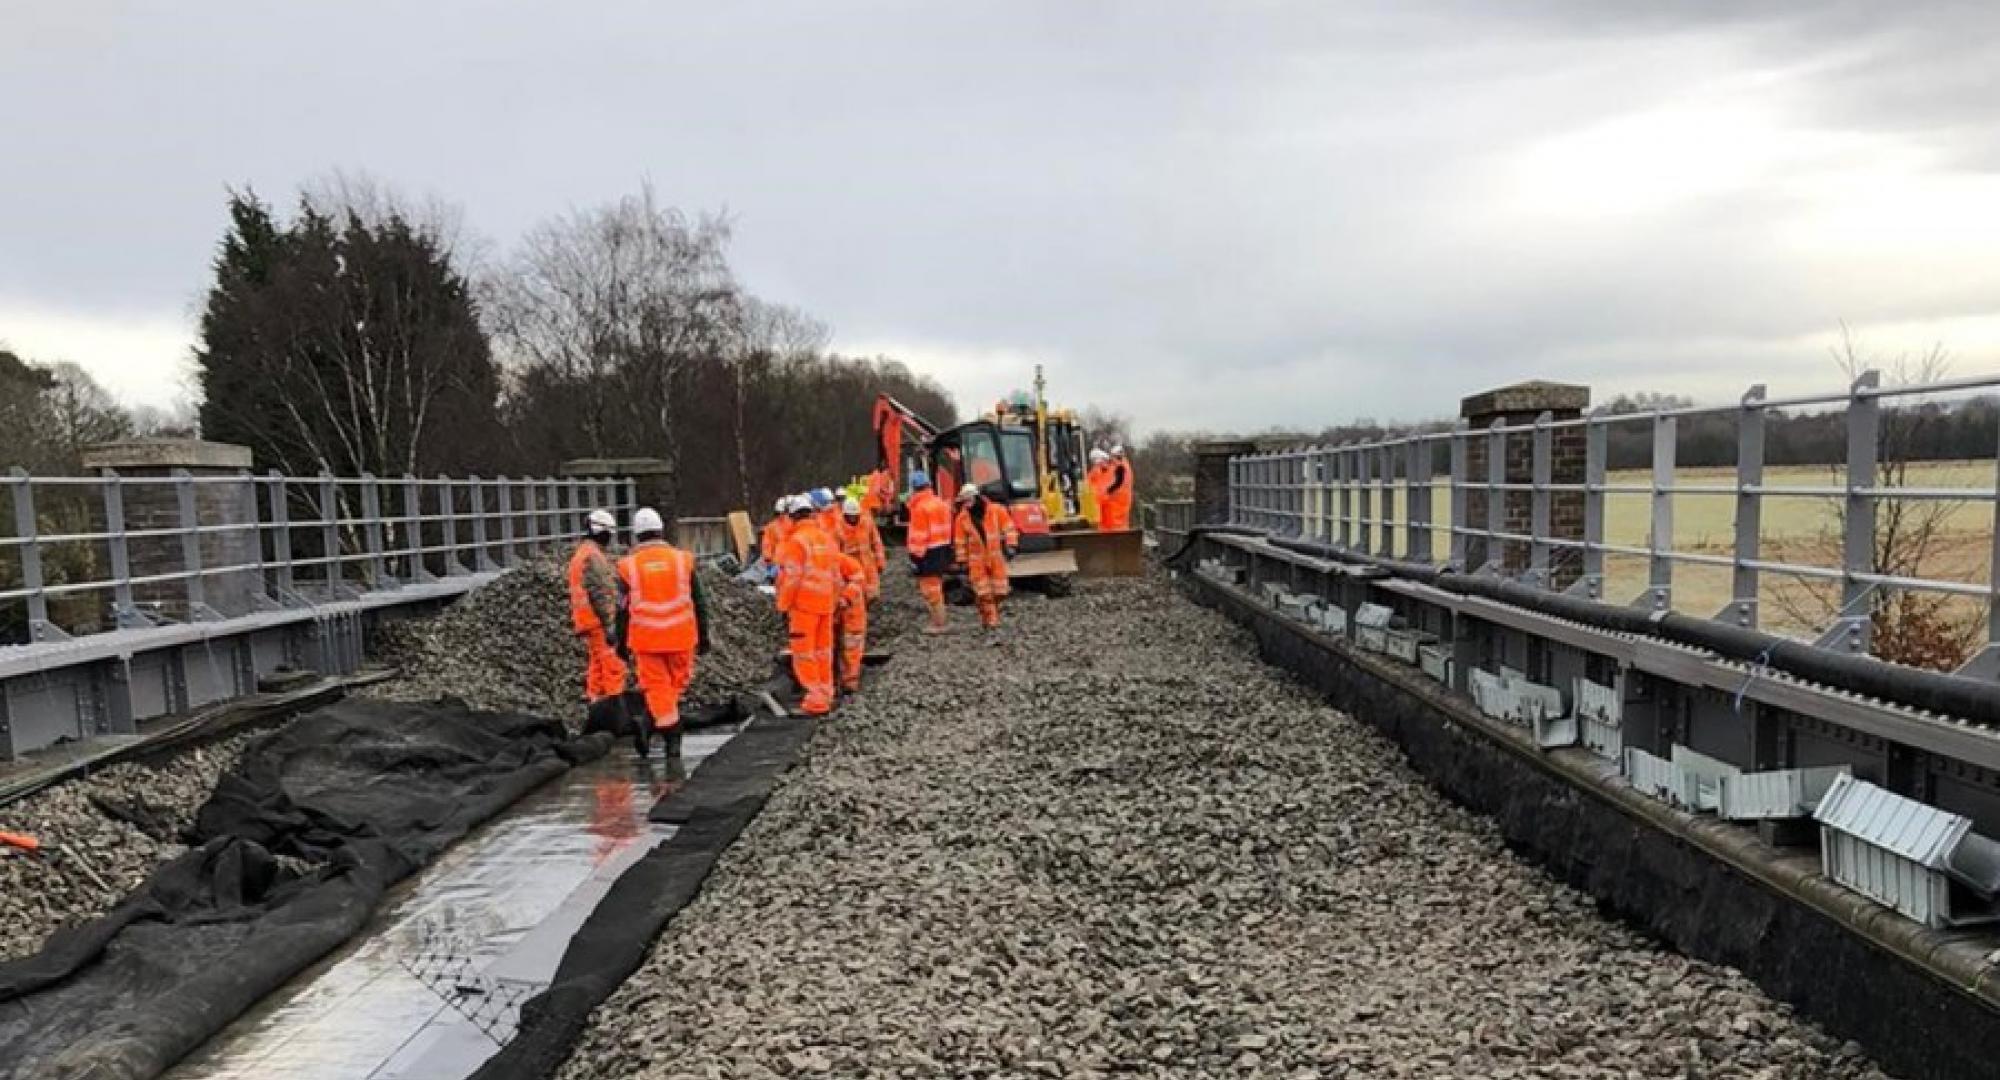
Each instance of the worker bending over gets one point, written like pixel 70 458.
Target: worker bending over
pixel 861 539
pixel 808 593
pixel 852 621
pixel 929 545
pixel 984 539
pixel 593 614
pixel 666 624
pixel 775 531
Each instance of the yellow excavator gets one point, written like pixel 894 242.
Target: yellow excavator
pixel 1029 458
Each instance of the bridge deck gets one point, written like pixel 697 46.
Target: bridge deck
pixel 1110 839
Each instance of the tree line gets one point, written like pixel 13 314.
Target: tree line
pixel 360 335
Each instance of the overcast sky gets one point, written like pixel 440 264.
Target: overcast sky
pixel 1218 215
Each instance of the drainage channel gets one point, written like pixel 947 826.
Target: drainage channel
pixel 433 985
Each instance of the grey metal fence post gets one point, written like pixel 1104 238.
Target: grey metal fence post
pixel 1496 495
pixel 532 520
pixel 1385 498
pixel 280 509
pixel 1364 468
pixel 505 489
pixel 448 510
pixel 1417 500
pixel 1460 448
pixel 1596 452
pixel 1660 539
pixel 1985 663
pixel 329 516
pixel 124 612
pixel 1542 475
pixel 1852 630
pixel 482 560
pixel 371 531
pixel 28 529
pixel 194 586
pixel 418 568
pixel 1743 583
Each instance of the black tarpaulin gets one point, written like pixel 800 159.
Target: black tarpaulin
pixel 368 791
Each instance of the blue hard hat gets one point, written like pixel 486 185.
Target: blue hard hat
pixel 822 498
pixel 920 479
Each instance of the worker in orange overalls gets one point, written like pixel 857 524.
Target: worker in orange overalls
pixel 929 545
pixel 664 621
pixel 775 531
pixel 984 538
pixel 851 620
pixel 593 614
pixel 808 593
pixel 860 538
pixel 881 491
pixel 1116 505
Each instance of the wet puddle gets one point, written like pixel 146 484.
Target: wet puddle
pixel 433 985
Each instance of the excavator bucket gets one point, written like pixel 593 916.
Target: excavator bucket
pixel 1041 564
pixel 1105 554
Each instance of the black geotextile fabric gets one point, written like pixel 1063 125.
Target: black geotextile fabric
pixel 716 804
pixel 367 790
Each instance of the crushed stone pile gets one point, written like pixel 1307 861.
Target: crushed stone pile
pixel 1115 842
pixel 508 645
pixel 119 823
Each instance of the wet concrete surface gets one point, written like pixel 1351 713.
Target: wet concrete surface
pixel 433 985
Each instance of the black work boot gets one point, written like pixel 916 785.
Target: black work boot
pixel 672 742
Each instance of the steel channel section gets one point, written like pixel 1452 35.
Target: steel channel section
pixel 1858 539
pixel 1543 474
pixel 1660 539
pixel 1496 496
pixel 1743 609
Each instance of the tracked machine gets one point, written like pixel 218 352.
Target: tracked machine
pixel 1029 458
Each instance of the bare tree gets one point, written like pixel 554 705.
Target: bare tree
pixel 1923 629
pixel 81 413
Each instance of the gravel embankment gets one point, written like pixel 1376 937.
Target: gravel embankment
pixel 1114 842
pixel 39 894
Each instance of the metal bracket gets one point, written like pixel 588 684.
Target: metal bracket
pixel 1850 631
pixel 1741 612
pixel 1588 586
pixel 131 618
pixel 199 612
pixel 42 631
pixel 1654 598
pixel 1984 664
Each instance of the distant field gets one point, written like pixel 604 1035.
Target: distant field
pixel 1800 530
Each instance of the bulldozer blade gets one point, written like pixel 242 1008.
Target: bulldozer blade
pixel 1105 554
pixel 1041 564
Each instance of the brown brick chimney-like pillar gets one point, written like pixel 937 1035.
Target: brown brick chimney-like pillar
pixel 1518 406
pixel 1211 479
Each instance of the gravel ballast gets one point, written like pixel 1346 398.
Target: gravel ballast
pixel 1109 840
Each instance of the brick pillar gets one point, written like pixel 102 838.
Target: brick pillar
pixel 153 505
pixel 1211 479
pixel 1519 405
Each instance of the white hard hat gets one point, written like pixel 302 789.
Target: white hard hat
pixel 647 520
pixel 783 504
pixel 602 521
pixel 966 493
pixel 1097 456
pixel 1118 451
pixel 799 504
pixel 852 507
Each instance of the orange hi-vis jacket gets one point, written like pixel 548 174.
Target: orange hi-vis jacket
pixel 853 579
pixel 593 589
pixel 773 537
pixel 930 523
pixel 861 539
pixel 808 571
pixel 881 491
pixel 659 583
pixel 981 546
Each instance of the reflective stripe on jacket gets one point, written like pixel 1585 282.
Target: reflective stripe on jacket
pixel 809 571
pixel 930 523
pixel 659 599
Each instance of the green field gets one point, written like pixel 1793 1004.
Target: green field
pixel 1800 530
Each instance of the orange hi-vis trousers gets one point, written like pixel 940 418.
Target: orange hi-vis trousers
pixel 664 677
pixel 853 643
pixel 812 659
pixel 604 674
pixel 933 590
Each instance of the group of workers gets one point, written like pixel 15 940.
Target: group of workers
pixel 829 560
pixel 1111 481
pixel 642 616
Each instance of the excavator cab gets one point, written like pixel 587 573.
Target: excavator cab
pixel 1000 460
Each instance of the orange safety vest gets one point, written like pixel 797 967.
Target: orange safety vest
pixel 583 614
pixel 880 493
pixel 1123 496
pixel 775 532
pixel 986 546
pixel 930 523
pixel 659 583
pixel 808 571
pixel 853 579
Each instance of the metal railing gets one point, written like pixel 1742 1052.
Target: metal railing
pixel 108 552
pixel 1382 498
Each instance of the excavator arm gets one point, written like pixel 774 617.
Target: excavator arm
pixel 892 420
